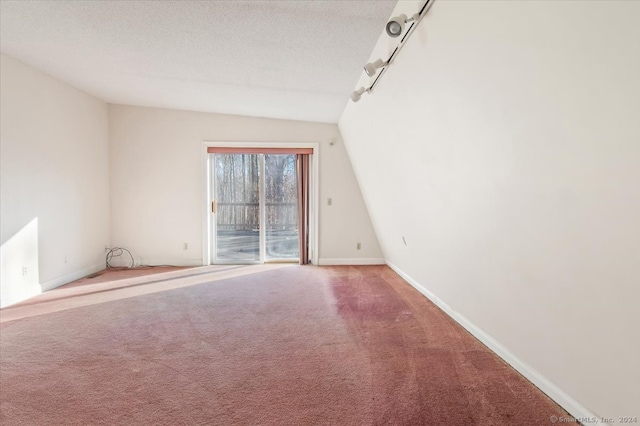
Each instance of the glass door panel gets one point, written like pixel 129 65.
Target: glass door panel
pixel 237 195
pixel 281 207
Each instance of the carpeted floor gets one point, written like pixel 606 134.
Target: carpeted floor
pixel 252 345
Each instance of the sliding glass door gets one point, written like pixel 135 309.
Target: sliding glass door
pixel 236 207
pixel 281 207
pixel 255 208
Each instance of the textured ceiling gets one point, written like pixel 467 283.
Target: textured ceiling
pixel 284 59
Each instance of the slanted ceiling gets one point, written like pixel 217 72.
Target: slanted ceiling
pixel 283 59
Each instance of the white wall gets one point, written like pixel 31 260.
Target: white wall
pixel 54 181
pixel 504 144
pixel 157 184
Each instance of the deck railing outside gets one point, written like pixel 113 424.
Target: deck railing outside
pixel 246 216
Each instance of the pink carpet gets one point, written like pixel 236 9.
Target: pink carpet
pixel 252 345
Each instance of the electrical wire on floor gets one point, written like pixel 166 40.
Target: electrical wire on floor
pixel 115 252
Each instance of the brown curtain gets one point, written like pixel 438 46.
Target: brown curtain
pixel 302 167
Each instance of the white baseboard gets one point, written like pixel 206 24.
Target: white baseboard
pixel 144 261
pixel 572 406
pixel 66 279
pixel 353 261
pixel 171 262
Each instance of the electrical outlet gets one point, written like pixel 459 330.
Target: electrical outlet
pixel 24 270
pixel 358 246
pixel 185 246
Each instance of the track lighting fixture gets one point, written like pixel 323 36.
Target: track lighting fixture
pixel 372 67
pixel 357 94
pixel 395 26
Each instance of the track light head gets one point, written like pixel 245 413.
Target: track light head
pixel 372 67
pixel 357 94
pixel 395 26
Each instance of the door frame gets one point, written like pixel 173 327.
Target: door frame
pixel 207 216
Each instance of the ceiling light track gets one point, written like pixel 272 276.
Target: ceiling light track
pixel 394 28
